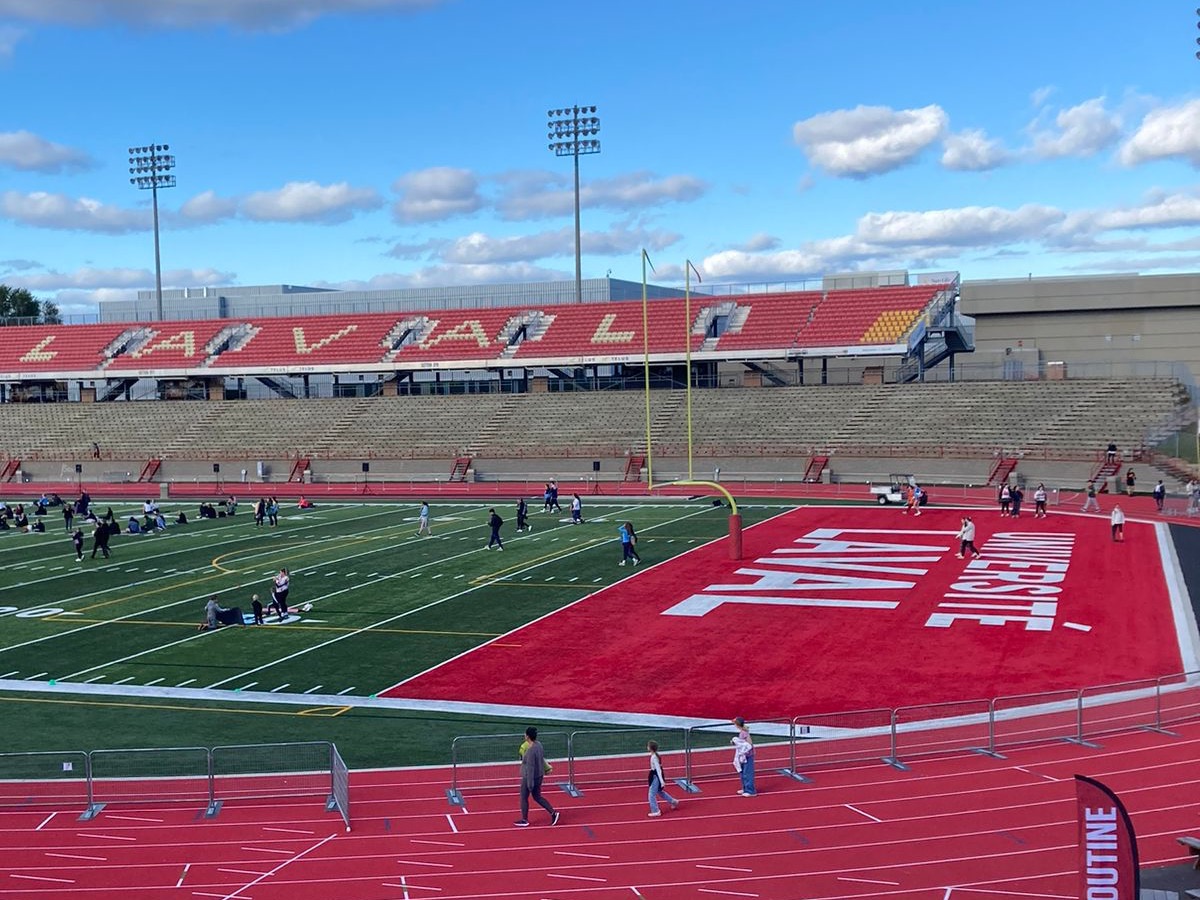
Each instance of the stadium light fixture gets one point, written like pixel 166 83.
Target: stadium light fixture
pixel 572 133
pixel 150 167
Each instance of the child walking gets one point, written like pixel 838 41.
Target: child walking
pixel 656 782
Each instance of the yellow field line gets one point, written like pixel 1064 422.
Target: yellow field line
pixel 221 709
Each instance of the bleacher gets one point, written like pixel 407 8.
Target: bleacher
pixel 55 348
pixel 301 341
pixel 611 329
pixel 867 316
pixel 1067 419
pixel 761 321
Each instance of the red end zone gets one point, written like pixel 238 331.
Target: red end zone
pixel 844 608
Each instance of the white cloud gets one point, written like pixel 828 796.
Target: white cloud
pixel 965 226
pixel 62 213
pixel 1082 130
pixel 759 242
pixel 483 249
pixel 1159 211
pixel 207 207
pixel 28 152
pixel 541 195
pixel 972 151
pixel 77 293
pixel 868 140
pixel 1039 96
pixel 437 193
pixel 307 201
pixel 268 15
pixel 9 38
pixel 1172 132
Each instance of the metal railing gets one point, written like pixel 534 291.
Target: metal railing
pixel 809 742
pixel 177 774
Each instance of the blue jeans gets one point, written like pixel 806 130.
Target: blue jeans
pixel 656 791
pixel 748 776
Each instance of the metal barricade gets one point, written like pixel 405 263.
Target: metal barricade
pixel 139 776
pixel 1035 718
pixel 493 761
pixel 710 751
pixel 940 728
pixel 1178 699
pixel 620 755
pixel 271 770
pixel 838 738
pixel 1119 707
pixel 340 784
pixel 44 778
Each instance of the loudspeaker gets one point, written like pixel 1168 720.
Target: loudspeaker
pixel 595 465
pixel 78 468
pixel 366 467
pixel 216 467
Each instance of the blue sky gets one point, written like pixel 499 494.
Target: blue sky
pixel 400 143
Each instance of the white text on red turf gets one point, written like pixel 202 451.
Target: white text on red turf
pixel 825 560
pixel 1017 580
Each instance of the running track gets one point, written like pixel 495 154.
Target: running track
pixel 958 827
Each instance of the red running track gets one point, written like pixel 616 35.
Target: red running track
pixel 960 827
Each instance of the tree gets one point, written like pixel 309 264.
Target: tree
pixel 19 303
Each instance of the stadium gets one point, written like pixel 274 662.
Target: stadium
pixel 353 547
pixel 406 646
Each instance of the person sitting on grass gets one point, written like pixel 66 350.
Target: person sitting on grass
pixel 134 526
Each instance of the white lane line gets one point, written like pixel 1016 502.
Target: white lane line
pixel 107 837
pixel 133 818
pixel 182 683
pixel 123 680
pixel 450 819
pixel 154 682
pixel 723 868
pixel 410 887
pixel 265 850
pixel 314 688
pixel 246 687
pixel 288 830
pixel 577 877
pixel 183 875
pixel 77 856
pixel 413 862
pixel 38 675
pixel 318 845
pixel 10 674
pixel 45 821
pixel 868 881
pixel 586 855
pixel 90 680
pixel 727 893
pixel 346 691
pixel 240 872
pixel 43 878
pixel 1077 626
pixel 439 843
pixel 280 688
pixel 861 813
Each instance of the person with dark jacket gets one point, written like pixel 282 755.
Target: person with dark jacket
pixel 494 522
pixel 533 770
pixel 100 540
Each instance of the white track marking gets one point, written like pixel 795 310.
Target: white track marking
pixel 450 819
pixel 45 821
pixel 861 813
pixel 318 845
pixel 78 856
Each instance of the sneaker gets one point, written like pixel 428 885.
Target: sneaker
pixel 635 560
pixel 522 823
pixel 740 791
pixel 554 817
pixel 744 794
pixel 654 815
pixel 501 549
pixel 958 556
pixel 621 563
pixel 674 804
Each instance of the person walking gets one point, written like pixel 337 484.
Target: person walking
pixel 576 510
pixel 533 770
pixel 100 540
pixel 628 544
pixel 423 520
pixel 273 511
pixel 1039 501
pixel 1160 494
pixel 523 516
pixel 657 780
pixel 1117 519
pixel 966 539
pixel 77 541
pixel 1091 503
pixel 1005 498
pixel 743 757
pixel 553 486
pixel 68 517
pixel 494 523
pixel 1130 481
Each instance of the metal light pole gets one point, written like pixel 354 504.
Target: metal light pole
pixel 570 135
pixel 149 166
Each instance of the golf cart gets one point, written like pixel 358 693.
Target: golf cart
pixel 896 491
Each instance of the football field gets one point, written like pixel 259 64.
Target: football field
pixel 104 653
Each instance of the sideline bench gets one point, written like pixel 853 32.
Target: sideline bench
pixel 1193 845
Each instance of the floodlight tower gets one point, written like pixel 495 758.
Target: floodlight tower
pixel 571 130
pixel 149 166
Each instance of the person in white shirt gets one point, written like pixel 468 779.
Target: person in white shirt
pixel 1039 502
pixel 423 520
pixel 966 539
pixel 1118 524
pixel 657 780
pixel 576 510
